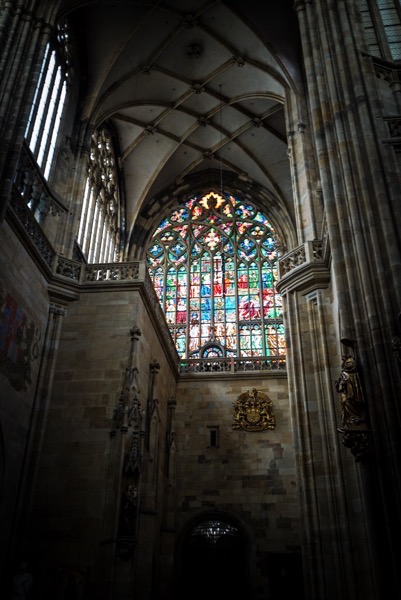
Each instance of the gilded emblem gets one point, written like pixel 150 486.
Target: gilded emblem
pixel 253 411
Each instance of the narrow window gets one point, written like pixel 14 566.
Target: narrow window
pixel 98 232
pixel 49 101
pixel 214 437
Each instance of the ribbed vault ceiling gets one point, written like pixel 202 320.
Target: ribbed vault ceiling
pixel 191 87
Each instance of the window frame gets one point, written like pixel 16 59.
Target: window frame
pixel 99 228
pixel 379 29
pixel 50 100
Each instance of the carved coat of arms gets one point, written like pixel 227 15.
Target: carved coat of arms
pixel 253 411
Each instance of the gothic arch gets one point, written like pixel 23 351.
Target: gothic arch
pixel 212 558
pixel 158 206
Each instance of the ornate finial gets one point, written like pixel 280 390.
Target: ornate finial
pixel 135 333
pixel 154 366
pixel 172 403
pixel 118 415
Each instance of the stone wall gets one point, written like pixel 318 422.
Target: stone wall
pixel 24 309
pixel 81 479
pixel 249 476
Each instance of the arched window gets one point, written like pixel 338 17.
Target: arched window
pixel 49 101
pixel 99 231
pixel 212 550
pixel 213 262
pixel 381 20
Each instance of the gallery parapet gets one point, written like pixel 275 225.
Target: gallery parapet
pixel 305 268
pixel 85 274
pixel 33 188
pixel 247 365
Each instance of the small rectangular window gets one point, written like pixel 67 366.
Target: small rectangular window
pixel 213 437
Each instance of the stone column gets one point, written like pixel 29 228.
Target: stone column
pixel 359 197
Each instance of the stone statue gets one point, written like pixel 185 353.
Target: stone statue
pixel 129 509
pixel 352 403
pixel 22 584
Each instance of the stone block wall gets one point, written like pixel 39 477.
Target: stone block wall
pixel 80 483
pixel 249 476
pixel 24 309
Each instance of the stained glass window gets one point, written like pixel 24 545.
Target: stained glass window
pixel 213 262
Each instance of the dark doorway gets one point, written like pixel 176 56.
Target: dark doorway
pixel 214 563
pixel 285 576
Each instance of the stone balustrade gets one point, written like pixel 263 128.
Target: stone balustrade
pixel 33 188
pixel 232 365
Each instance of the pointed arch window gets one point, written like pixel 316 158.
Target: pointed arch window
pixel 49 101
pixel 99 231
pixel 213 263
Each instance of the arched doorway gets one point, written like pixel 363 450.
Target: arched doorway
pixel 213 561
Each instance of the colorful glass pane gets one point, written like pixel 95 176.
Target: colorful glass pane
pixel 213 263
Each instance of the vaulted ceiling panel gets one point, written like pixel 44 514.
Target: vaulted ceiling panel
pixel 191 87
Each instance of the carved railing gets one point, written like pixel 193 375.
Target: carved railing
pixel 32 228
pixel 306 268
pixel 233 365
pixel 309 252
pixel 103 272
pixel 394 131
pixel 33 187
pixel 385 70
pixel 67 268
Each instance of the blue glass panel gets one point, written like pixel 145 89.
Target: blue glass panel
pixel 156 250
pixel 205 288
pixel 244 211
pixel 165 223
pixel 230 303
